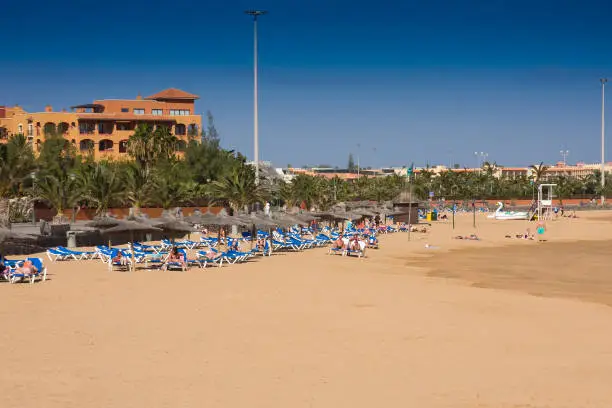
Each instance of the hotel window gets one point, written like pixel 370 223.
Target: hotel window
pixel 157 112
pixel 139 112
pixel 30 129
pixel 179 112
pixel 125 110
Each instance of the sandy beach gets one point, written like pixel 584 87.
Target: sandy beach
pixel 492 323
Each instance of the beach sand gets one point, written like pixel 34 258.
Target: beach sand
pixel 456 325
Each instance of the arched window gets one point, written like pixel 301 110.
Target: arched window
pixel 86 145
pixel 181 146
pixel 105 145
pixel 20 129
pixel 3 133
pixel 192 130
pixel 62 128
pixel 49 129
pixel 180 130
pixel 123 146
pixel 30 129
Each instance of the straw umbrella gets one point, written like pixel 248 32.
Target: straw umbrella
pixel 224 220
pixel 202 219
pixel 6 235
pixel 172 224
pixel 131 227
pixel 287 218
pixel 308 217
pixel 103 222
pixel 258 221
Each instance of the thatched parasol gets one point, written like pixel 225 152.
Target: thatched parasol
pixel 103 222
pixel 364 212
pixel 286 220
pixel 258 221
pixel 6 235
pixel 131 227
pixel 176 225
pixel 202 219
pixel 226 220
pixel 308 217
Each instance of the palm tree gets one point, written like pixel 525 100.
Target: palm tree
pixel 139 185
pixel 538 171
pixel 208 161
pixel 238 189
pixel 140 146
pixel 16 163
pixel 164 143
pixel 565 187
pixel 169 192
pixel 102 185
pixel 60 193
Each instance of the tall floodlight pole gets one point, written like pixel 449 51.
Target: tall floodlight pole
pixel 603 137
pixel 358 153
pixel 564 154
pixel 255 14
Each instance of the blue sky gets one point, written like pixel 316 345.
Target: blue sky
pixel 409 81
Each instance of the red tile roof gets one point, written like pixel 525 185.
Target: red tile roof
pixel 173 93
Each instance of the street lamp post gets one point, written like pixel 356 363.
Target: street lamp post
pixel 603 136
pixel 564 154
pixel 358 153
pixel 480 159
pixel 255 14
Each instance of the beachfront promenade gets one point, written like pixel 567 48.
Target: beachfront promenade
pixel 407 326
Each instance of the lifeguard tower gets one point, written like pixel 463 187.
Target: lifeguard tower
pixel 545 202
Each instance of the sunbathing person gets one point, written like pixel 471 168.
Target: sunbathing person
pixel 210 254
pixel 175 257
pixel 27 269
pixel 261 244
pixel 118 259
pixel 354 243
pixel 3 267
pixel 235 245
pixel 338 244
pixel 471 237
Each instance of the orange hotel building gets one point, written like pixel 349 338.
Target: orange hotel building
pixel 104 126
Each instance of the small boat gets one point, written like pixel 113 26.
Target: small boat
pixel 509 215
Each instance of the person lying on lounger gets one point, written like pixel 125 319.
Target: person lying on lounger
pixel 211 254
pixel 471 237
pixel 3 267
pixel 175 257
pixel 118 259
pixel 261 244
pixel 27 269
pixel 338 244
pixel 235 246
pixel 354 243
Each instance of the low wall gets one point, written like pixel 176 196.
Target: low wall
pixel 86 214
pixel 569 202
